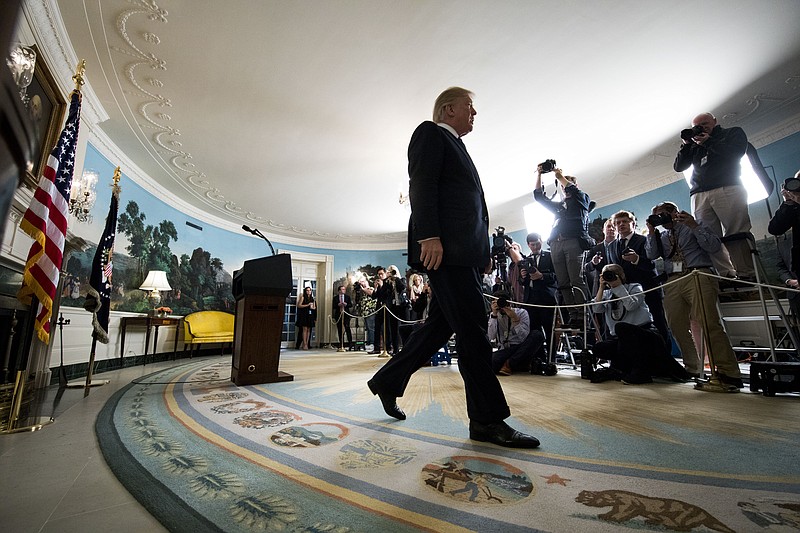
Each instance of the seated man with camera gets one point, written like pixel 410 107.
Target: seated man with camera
pixel 686 246
pixel 510 327
pixel 635 348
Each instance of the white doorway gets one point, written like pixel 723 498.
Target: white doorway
pixel 308 270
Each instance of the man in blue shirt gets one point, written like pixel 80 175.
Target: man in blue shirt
pixel 686 246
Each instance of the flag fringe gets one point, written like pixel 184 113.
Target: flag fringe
pixel 98 332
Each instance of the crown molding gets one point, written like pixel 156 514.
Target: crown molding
pixel 43 17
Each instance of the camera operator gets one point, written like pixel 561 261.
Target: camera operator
pixel 635 347
pixel 538 280
pixel 719 200
pixel 686 246
pixel 510 327
pixel 399 305
pixel 569 238
pixel 366 305
pixel 786 223
pixel 386 332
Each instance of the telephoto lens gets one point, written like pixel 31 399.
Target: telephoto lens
pixel 791 184
pixel 659 219
pixel 609 275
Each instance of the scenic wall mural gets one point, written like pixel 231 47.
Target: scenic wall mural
pixel 199 258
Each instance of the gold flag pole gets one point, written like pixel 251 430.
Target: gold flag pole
pixel 20 382
pixel 78 77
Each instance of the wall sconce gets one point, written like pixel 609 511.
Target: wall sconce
pixel 155 282
pixel 403 199
pixel 83 195
pixel 22 61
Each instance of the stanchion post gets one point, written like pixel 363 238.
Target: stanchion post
pixel 384 353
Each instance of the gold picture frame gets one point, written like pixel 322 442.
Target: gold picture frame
pixel 48 109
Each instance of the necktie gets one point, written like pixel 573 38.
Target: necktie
pixel 611 253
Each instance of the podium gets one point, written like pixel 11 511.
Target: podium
pixel 260 289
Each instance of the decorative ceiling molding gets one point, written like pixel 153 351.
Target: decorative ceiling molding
pixel 54 45
pixel 163 135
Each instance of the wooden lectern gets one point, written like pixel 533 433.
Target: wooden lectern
pixel 260 289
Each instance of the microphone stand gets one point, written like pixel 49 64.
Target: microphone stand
pixel 257 233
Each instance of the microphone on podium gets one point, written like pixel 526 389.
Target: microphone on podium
pixel 257 233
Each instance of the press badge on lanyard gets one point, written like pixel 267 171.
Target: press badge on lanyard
pixel 677 267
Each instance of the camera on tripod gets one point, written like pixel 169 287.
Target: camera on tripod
pixel 688 133
pixel 499 240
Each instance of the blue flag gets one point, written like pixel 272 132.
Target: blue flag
pixel 98 298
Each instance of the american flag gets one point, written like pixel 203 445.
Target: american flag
pixel 46 222
pixel 99 297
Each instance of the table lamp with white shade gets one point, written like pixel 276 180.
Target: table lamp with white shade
pixel 155 282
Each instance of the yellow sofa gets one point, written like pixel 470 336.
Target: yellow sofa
pixel 205 327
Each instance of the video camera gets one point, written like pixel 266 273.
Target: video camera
pixel 499 241
pixel 688 133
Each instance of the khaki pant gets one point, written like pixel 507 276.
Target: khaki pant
pixel 724 212
pixel 683 302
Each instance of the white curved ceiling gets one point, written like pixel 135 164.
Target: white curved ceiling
pixel 294 116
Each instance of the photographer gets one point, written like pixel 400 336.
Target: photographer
pixel 635 347
pixel 788 217
pixel 538 280
pixel 632 257
pixel 569 238
pixel 719 200
pixel 686 246
pixel 510 327
pixel 386 333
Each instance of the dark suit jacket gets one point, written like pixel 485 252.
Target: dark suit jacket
pixel 591 270
pixel 348 304
pixel 644 272
pixel 542 291
pixel 447 199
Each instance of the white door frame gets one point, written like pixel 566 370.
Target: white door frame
pixel 323 284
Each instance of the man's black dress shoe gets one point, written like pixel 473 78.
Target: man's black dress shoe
pixel 501 434
pixel 389 402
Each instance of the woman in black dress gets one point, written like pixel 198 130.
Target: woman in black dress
pixel 306 316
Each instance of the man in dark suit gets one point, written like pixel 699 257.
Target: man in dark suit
pixel 538 278
pixel 448 236
pixel 599 256
pixel 341 307
pixel 631 256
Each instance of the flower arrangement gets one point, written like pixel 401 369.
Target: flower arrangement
pixel 163 311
